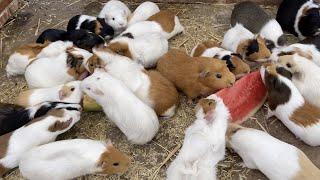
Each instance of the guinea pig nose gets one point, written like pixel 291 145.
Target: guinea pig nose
pixel 88 88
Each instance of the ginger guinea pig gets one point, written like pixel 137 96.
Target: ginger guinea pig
pixel 197 76
pixel 69 159
pixel 143 12
pixel 240 40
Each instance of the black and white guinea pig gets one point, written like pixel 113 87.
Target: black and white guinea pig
pixel 299 17
pixel 81 38
pixel 256 20
pixel 92 24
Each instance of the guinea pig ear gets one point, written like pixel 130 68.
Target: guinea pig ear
pixel 98 92
pixel 62 93
pixel 204 73
pixel 109 144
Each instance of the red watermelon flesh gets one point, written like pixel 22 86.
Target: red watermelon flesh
pixel 245 98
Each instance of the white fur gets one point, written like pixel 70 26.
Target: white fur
pixel 258 150
pixel 35 134
pixel 235 36
pixel 309 4
pixel 283 112
pixel 143 12
pixel 146 49
pixel 55 49
pixel 52 94
pixel 203 146
pixel 60 160
pixel 272 31
pixel 83 18
pixel 134 118
pixel 117 10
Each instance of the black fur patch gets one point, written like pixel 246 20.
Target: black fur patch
pixel 282 71
pixel 286 53
pixel 253 47
pixel 236 54
pixel 51 35
pixel 84 39
pixel 72 24
pixel 270 44
pixel 230 65
pixel 107 31
pixel 309 24
pixel 129 35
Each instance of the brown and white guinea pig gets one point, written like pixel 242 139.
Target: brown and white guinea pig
pixel 69 93
pixel 240 40
pixel 164 22
pixel 92 24
pixel 299 17
pixel 288 105
pixel 234 61
pixel 38 131
pixel 143 12
pixel 149 86
pixel 69 159
pixel 256 20
pixel 195 76
pixel 22 56
pixel 274 158
pixel 81 38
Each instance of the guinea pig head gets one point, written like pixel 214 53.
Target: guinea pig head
pixel 287 61
pixel 120 48
pixel 84 39
pixel 71 92
pixel 92 85
pixel 93 63
pixel 104 29
pixel 239 67
pixel 205 108
pixel 112 161
pixel 117 19
pixel 257 50
pixel 215 74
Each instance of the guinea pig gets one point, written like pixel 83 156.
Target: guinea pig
pixel 299 17
pixel 13 116
pixel 81 38
pixel 38 131
pixel 72 158
pixel 197 76
pixel 145 49
pixel 204 142
pixel 288 105
pixel 69 93
pixel 22 56
pixel 240 40
pixel 164 22
pixel 116 14
pixel 121 107
pixel 234 61
pixel 313 40
pixel 149 86
pixel 143 12
pixel 92 24
pixel 53 71
pixel 282 161
pixel 305 76
pixel 256 20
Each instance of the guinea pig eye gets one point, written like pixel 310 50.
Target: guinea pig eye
pixel 113 19
pixel 115 164
pixel 91 65
pixel 288 65
pixel 72 89
pixel 88 88
pixel 219 76
pixel 98 78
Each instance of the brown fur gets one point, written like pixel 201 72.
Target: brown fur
pixel 165 18
pixel 308 171
pixel 98 27
pixel 94 62
pixel 162 92
pixel 121 49
pixel 65 92
pixel 3 170
pixel 75 64
pixel 204 46
pixel 207 105
pixel 232 129
pixel 23 98
pixel 4 143
pixel 60 125
pixel 307 55
pixel 306 115
pixel 263 52
pixel 32 49
pixel 241 67
pixel 195 76
pixel 289 60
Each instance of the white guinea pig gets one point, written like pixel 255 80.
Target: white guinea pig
pixel 69 159
pixel 134 118
pixel 287 104
pixel 38 131
pixel 69 93
pixel 150 86
pixel 274 158
pixel 145 49
pixel 116 14
pixel 204 142
pixel 143 12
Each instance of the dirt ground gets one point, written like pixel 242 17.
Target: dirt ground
pixel 202 22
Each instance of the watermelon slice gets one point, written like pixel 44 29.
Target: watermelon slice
pixel 245 98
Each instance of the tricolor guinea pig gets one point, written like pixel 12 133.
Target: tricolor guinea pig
pixel 69 93
pixel 256 20
pixel 274 158
pixel 92 24
pixel 234 61
pixel 195 76
pixel 22 56
pixel 69 159
pixel 134 118
pixel 149 86
pixel 81 38
pixel 164 22
pixel 38 131
pixel 145 49
pixel 143 12
pixel 299 17
pixel 288 105
pixel 240 40
pixel 203 144
pixel 116 14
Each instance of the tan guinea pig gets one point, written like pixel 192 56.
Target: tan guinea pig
pixel 198 76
